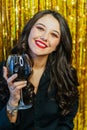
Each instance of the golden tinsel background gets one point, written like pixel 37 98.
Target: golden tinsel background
pixel 15 13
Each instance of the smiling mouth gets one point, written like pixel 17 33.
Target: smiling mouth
pixel 40 44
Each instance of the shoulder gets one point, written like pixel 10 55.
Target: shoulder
pixel 2 63
pixel 2 79
pixel 4 92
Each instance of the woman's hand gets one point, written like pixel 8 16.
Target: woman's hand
pixel 14 87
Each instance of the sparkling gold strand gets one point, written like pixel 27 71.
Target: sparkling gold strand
pixel 17 15
pixel 64 7
pixel 5 27
pixel 53 4
pixel 41 4
pixel 36 5
pixel 1 28
pixel 26 9
pixel 11 23
pixel 59 6
pixel 48 4
pixel 71 19
pixel 22 13
pixel 32 7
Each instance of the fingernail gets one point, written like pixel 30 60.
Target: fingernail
pixel 15 74
pixel 25 81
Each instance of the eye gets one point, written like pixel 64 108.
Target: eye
pixel 40 28
pixel 54 35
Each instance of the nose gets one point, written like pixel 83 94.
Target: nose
pixel 44 37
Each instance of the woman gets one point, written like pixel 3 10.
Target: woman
pixel 47 40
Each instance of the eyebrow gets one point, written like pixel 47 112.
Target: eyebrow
pixel 45 26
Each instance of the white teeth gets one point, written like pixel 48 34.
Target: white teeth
pixel 41 44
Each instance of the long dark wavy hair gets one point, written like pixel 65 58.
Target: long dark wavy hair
pixel 63 75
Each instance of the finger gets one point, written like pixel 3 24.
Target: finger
pixel 20 83
pixel 12 78
pixel 21 86
pixel 5 72
pixel 17 87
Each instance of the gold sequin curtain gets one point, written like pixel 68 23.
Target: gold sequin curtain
pixel 15 13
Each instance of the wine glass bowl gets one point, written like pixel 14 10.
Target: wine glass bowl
pixel 20 64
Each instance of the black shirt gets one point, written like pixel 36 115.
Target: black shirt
pixel 44 115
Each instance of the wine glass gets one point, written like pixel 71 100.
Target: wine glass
pixel 20 64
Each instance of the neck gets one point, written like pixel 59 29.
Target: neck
pixel 40 62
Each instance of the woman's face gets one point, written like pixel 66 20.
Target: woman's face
pixel 44 36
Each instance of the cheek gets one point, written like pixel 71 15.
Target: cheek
pixel 31 36
pixel 34 32
pixel 55 43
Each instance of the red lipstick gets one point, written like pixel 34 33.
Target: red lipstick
pixel 40 44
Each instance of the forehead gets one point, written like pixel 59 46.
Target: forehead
pixel 49 21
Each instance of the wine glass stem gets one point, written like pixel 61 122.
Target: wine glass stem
pixel 21 97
